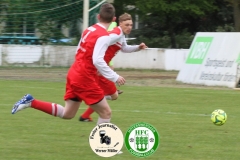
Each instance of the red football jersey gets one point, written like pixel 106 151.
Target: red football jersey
pixel 90 52
pixel 117 36
pixel 85 49
pixel 118 42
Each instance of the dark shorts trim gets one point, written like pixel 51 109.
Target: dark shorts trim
pixel 75 99
pixel 97 101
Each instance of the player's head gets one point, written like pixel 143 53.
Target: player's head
pixel 126 23
pixel 106 13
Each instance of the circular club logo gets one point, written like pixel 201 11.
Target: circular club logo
pixel 142 139
pixel 106 140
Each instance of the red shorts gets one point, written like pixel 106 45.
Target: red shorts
pixel 107 86
pixel 83 89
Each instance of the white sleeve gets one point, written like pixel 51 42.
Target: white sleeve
pixel 129 48
pixel 98 59
pixel 116 35
pixel 115 38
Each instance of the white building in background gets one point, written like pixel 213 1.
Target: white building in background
pixel 63 56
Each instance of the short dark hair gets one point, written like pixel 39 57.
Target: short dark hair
pixel 124 17
pixel 107 13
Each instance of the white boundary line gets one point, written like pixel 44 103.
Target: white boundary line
pixel 139 111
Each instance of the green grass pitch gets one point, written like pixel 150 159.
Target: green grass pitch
pixel 181 116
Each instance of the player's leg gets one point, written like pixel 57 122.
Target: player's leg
pixel 29 102
pixel 71 104
pixel 71 108
pixel 85 117
pixel 104 111
pixel 54 109
pixel 72 100
pixel 110 92
pixel 67 112
pixel 94 97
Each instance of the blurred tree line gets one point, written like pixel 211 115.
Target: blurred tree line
pixel 162 23
pixel 173 23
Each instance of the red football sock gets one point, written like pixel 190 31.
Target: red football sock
pixel 47 107
pixel 87 112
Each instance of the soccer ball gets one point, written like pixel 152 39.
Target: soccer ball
pixel 218 117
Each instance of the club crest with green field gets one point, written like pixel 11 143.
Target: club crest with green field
pixel 142 139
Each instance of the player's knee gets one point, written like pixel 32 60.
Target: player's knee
pixel 109 112
pixel 106 114
pixel 114 96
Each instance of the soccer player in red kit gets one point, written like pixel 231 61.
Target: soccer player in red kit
pixel 81 78
pixel 118 33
